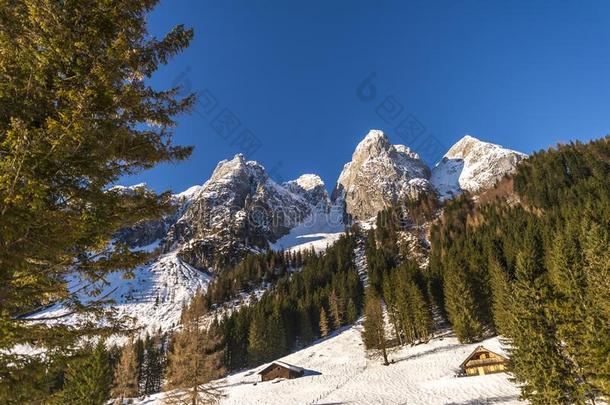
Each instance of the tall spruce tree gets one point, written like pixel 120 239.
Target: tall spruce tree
pixel 152 368
pixel 500 303
pixel 258 349
pixel 88 379
pixel 324 328
pixel 596 265
pixel 351 313
pixel 461 303
pixel 76 114
pixel 126 374
pixel 390 298
pixel 420 311
pixel 374 325
pixel 305 330
pixel 536 360
pixel 336 309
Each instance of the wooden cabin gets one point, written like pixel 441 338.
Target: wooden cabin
pixel 483 361
pixel 279 369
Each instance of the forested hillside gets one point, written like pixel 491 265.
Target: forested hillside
pixel 536 272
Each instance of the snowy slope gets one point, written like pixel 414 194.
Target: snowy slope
pixel 217 218
pixel 337 371
pixel 472 165
pixel 153 297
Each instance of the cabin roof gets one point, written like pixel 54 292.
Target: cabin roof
pixel 282 364
pixel 479 349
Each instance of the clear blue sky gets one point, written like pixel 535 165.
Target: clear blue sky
pixel 524 74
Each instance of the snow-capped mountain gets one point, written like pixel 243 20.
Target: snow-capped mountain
pixel 311 188
pixel 379 175
pixel 473 165
pixel 151 233
pixel 240 208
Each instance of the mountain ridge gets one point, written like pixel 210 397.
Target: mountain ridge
pixel 241 210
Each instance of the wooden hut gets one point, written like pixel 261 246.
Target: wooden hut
pixel 483 361
pixel 279 369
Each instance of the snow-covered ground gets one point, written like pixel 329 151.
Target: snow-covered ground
pixel 318 241
pixel 153 297
pixel 338 371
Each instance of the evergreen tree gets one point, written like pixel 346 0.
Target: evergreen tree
pixel 420 310
pixel 596 265
pixel 324 329
pixel 351 313
pixel 275 337
pixel 374 325
pixel 336 309
pixel 257 345
pixel 152 368
pixel 88 378
pixel 389 286
pixel 126 374
pixel 77 114
pixel 306 331
pixel 461 304
pixel 140 359
pixel 500 287
pixel 536 356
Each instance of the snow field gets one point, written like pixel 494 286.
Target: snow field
pixel 338 371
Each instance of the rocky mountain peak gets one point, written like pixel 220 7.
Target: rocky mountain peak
pixel 463 147
pixel 473 165
pixel 309 181
pixel 374 143
pixel 378 176
pixel 236 168
pixel 311 188
pixel 240 209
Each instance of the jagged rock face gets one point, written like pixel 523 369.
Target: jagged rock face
pixel 148 233
pixel 379 175
pixel 311 188
pixel 239 209
pixel 473 165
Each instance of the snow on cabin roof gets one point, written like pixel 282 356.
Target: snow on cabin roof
pixel 477 350
pixel 282 364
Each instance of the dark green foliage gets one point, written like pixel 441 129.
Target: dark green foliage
pixel 537 271
pixel 407 307
pixel 374 324
pixel 152 367
pixel 287 316
pixel 77 114
pixel 88 378
pixel 461 304
pixel 252 272
pixel 536 358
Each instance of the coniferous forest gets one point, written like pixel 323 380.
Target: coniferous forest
pixel 528 260
pixel 536 270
